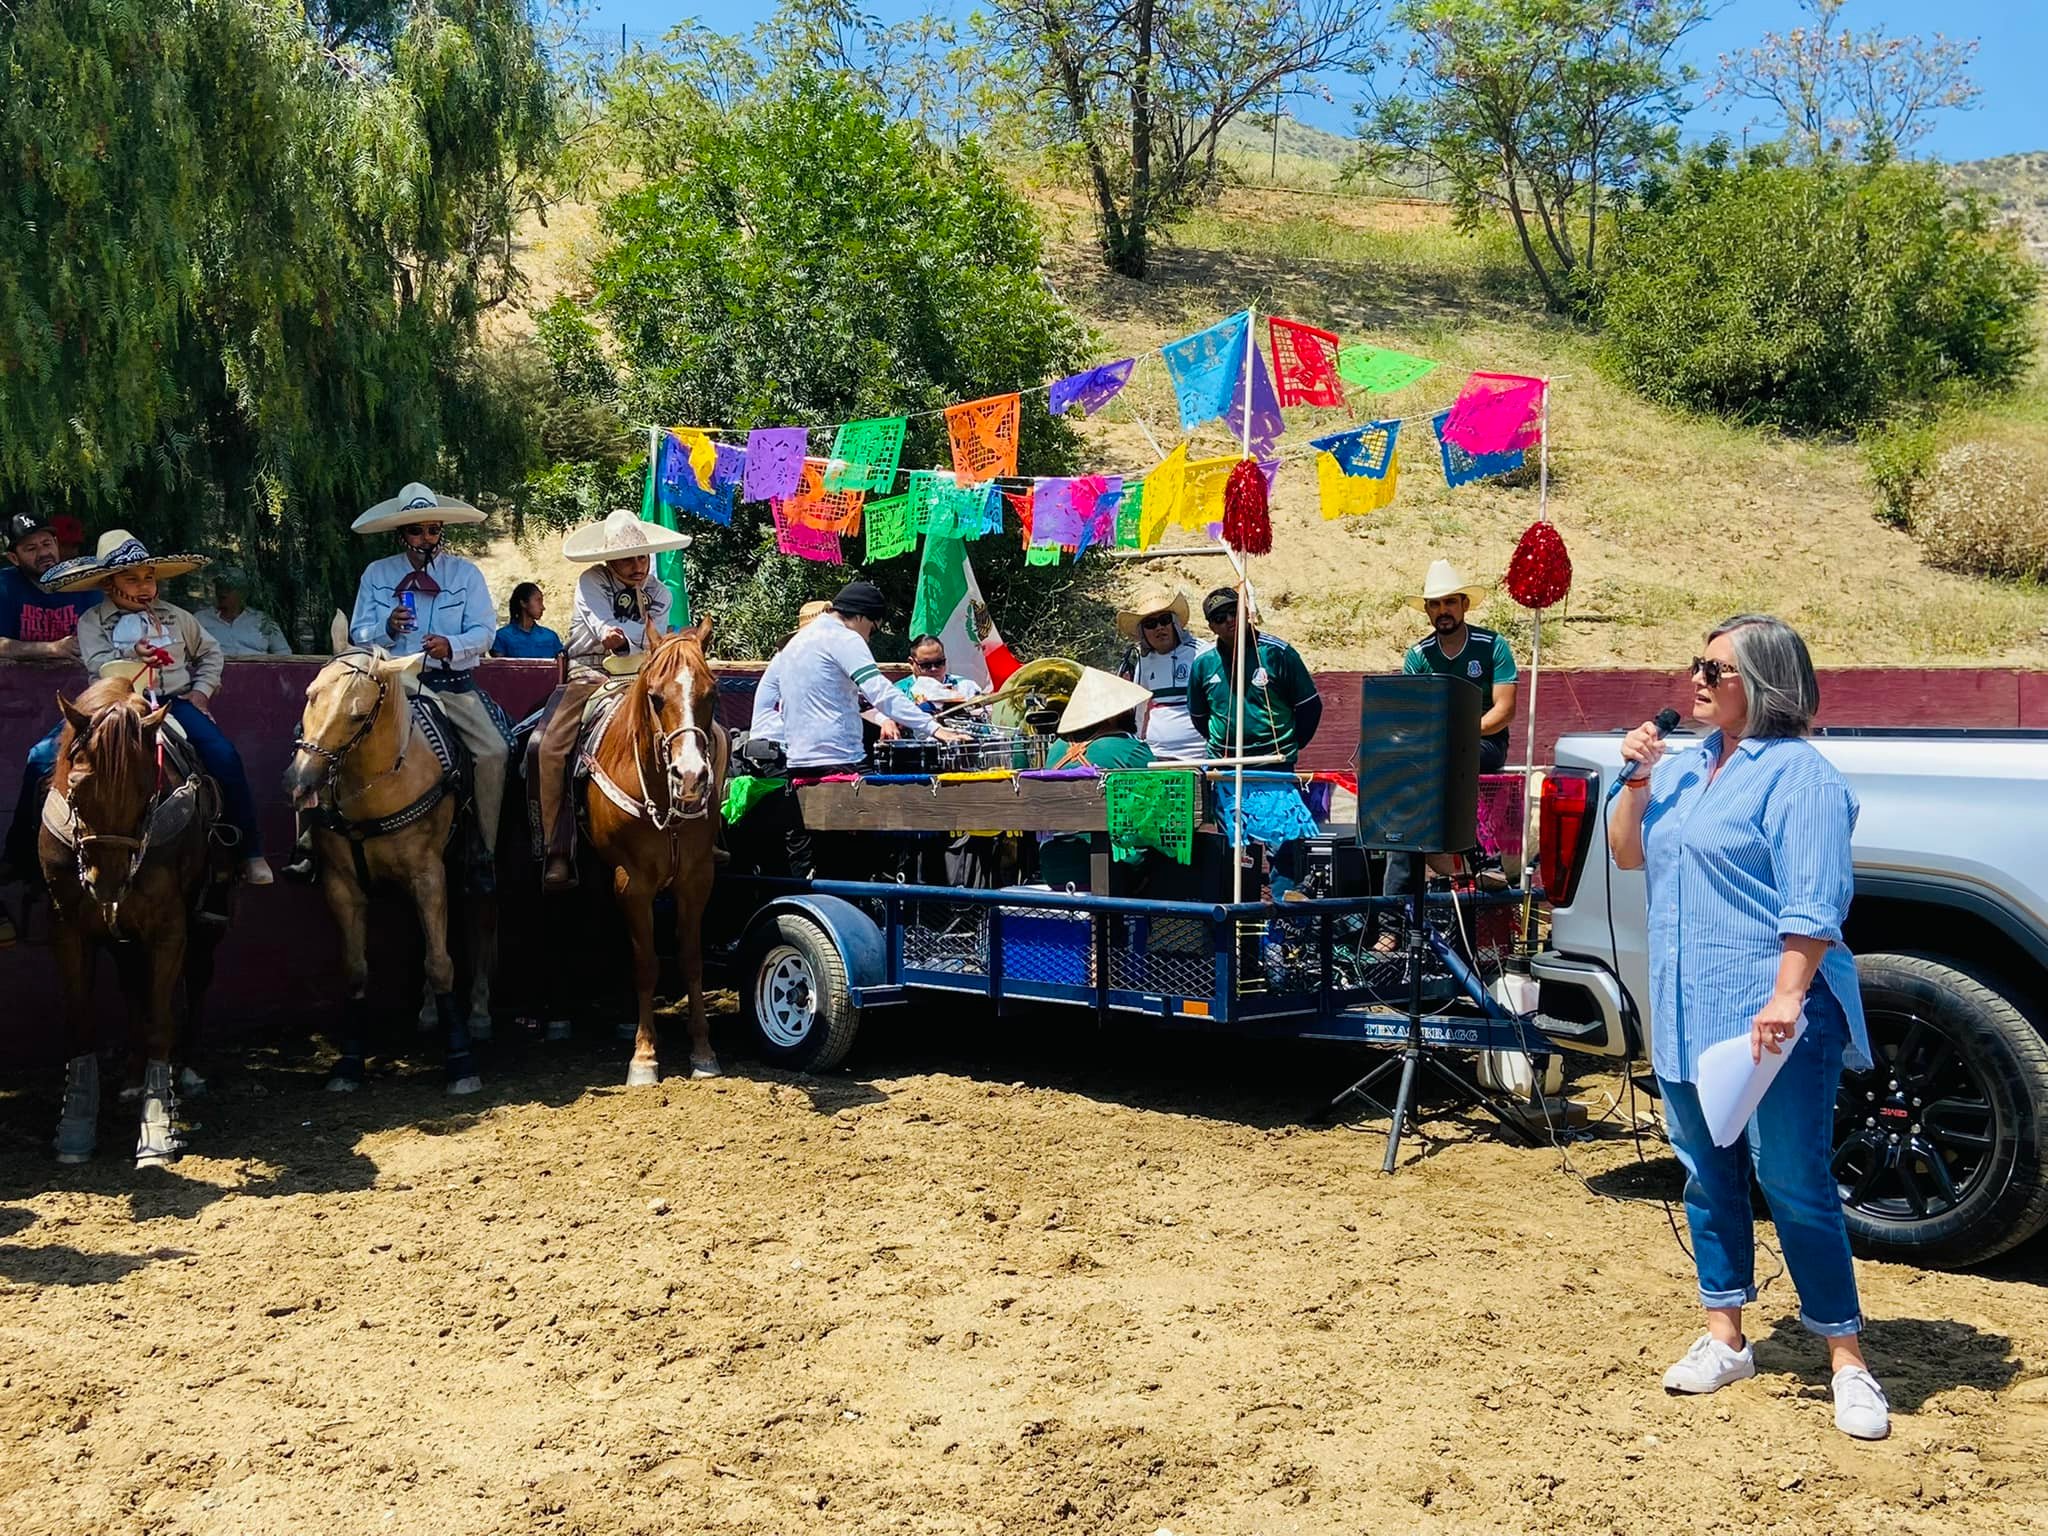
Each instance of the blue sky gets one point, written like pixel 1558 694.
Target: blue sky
pixel 2011 116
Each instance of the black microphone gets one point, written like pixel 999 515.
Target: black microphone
pixel 1666 722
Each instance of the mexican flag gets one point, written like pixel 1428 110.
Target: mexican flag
pixel 949 605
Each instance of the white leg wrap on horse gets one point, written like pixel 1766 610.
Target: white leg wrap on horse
pixel 157 1139
pixel 78 1127
pixel 642 1074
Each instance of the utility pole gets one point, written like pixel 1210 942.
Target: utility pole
pixel 1273 170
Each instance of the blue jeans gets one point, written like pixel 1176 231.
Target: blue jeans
pixel 225 764
pixel 1789 1143
pixel 28 806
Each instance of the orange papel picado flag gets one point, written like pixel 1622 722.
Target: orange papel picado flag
pixel 984 437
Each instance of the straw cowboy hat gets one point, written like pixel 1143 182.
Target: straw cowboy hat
pixel 1101 696
pixel 1443 580
pixel 811 610
pixel 119 551
pixel 415 504
pixel 1151 600
pixel 620 536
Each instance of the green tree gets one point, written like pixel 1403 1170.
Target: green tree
pixel 813 262
pixel 254 244
pixel 1545 110
pixel 1139 92
pixel 1814 297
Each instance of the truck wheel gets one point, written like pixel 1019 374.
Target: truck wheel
pixel 797 999
pixel 1938 1148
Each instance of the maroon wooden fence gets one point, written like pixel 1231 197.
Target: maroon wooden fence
pixel 282 956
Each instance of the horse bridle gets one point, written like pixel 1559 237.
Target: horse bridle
pixel 138 847
pixel 335 756
pixel 664 758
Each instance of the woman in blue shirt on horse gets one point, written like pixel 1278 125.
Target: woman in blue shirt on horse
pixel 1745 840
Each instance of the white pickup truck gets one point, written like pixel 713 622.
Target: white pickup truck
pixel 1941 1151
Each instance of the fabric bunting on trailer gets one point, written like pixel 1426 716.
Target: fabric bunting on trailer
pixel 806 543
pixel 1207 369
pixel 1495 413
pixel 984 438
pixel 1274 812
pixel 1381 369
pixel 1344 494
pixel 1462 468
pixel 1366 450
pixel 775 462
pixel 1151 809
pixel 1091 390
pixel 834 512
pixel 1267 423
pixel 864 455
pixel 1162 491
pixel 1305 363
pixel 1201 501
pixel 888 528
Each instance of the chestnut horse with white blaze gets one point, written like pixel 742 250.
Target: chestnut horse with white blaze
pixel 127 853
pixel 386 815
pixel 652 805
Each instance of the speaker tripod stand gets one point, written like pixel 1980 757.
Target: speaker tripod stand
pixel 1416 1054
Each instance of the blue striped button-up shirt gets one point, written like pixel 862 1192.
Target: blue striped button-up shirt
pixel 1735 868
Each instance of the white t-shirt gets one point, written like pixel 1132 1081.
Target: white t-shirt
pixel 1168 728
pixel 819 680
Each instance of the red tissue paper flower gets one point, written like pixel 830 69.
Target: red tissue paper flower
pixel 1247 526
pixel 1540 572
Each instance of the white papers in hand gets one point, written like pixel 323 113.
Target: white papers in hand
pixel 1731 1085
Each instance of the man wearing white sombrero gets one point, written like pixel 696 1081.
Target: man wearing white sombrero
pixel 620 614
pixel 1454 648
pixel 424 601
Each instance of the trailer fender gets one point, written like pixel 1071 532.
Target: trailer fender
pixel 863 949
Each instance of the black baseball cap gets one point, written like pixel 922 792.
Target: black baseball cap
pixel 860 600
pixel 1220 605
pixel 22 524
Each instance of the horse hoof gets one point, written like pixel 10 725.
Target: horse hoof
pixel 705 1069
pixel 558 1029
pixel 73 1159
pixel 190 1083
pixel 466 1085
pixel 158 1159
pixel 642 1074
pixel 480 1026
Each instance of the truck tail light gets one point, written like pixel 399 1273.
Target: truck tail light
pixel 1564 833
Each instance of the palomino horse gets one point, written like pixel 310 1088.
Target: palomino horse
pixel 653 811
pixel 126 855
pixel 389 817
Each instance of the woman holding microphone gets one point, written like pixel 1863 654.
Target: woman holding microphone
pixel 1745 841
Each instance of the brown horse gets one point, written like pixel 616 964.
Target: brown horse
pixel 126 853
pixel 653 809
pixel 388 818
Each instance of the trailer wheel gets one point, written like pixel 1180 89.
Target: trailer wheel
pixel 1938 1148
pixel 797 998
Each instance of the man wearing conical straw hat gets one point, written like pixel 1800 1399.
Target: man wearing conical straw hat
pixel 620 614
pixel 1101 724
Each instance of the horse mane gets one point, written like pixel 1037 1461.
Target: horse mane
pixel 676 649
pixel 115 746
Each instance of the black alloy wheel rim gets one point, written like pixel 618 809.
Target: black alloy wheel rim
pixel 1914 1134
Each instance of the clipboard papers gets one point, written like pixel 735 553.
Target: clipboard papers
pixel 1731 1085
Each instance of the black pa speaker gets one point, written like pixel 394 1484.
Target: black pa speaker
pixel 1418 763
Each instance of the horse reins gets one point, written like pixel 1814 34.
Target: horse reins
pixel 335 756
pixel 138 847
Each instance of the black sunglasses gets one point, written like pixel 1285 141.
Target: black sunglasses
pixel 1712 671
pixel 927 665
pixel 421 530
pixel 1156 621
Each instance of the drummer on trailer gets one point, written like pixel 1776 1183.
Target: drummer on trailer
pixel 821 677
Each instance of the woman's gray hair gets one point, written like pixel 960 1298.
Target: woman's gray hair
pixel 1777 674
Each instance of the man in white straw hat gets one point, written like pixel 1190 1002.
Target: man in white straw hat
pixel 1454 648
pixel 1162 661
pixel 424 601
pixel 136 634
pixel 621 613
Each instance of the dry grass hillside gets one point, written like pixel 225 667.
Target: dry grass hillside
pixel 1672 522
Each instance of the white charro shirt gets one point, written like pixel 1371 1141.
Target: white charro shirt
pixel 602 604
pixel 461 612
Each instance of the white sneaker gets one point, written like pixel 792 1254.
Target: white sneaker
pixel 256 871
pixel 1861 1408
pixel 1709 1366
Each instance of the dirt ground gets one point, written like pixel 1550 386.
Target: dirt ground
pixel 996 1277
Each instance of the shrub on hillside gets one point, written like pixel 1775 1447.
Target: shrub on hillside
pixel 1813 297
pixel 1984 511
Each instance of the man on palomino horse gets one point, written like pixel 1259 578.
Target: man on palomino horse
pixel 621 613
pixel 424 601
pixel 136 634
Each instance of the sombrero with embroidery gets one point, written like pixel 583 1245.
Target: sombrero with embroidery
pixel 621 536
pixel 415 504
pixel 1098 697
pixel 118 551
